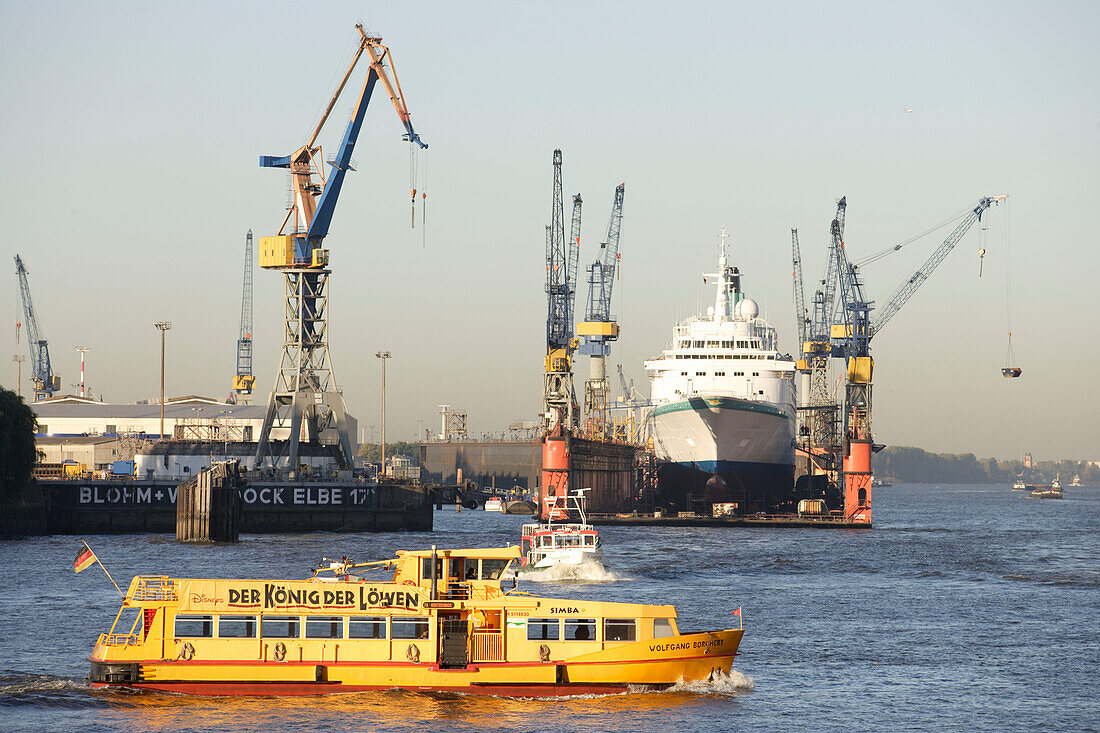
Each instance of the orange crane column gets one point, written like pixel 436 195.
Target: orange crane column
pixel 555 477
pixel 857 480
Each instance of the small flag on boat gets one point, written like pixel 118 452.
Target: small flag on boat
pixel 737 611
pixel 85 558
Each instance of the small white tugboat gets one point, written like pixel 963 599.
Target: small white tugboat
pixel 494 504
pixel 565 539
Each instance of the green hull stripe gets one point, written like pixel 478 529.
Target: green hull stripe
pixel 722 403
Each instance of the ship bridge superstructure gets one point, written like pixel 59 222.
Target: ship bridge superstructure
pixel 729 351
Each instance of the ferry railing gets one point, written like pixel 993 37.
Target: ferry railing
pixel 153 588
pixel 118 639
pixel 487 645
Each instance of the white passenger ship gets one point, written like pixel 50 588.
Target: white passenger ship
pixel 723 415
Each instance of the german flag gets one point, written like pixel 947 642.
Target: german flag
pixel 85 558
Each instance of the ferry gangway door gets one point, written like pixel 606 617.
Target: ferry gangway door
pixel 453 642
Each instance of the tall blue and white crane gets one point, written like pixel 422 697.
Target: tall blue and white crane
pixel 305 395
pixel 560 412
pixel 599 328
pixel 245 380
pixel 45 381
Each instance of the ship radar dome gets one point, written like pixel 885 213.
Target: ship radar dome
pixel 747 309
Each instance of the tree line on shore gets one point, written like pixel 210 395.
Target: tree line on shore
pixel 913 465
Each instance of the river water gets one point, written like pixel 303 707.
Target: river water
pixel 966 607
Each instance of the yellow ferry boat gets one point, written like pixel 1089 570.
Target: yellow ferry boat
pixel 441 623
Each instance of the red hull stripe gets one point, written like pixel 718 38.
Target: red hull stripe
pixel 258 663
pixel 324 688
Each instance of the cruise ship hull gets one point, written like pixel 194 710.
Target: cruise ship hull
pixel 714 449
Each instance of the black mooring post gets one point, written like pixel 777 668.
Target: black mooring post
pixel 435 594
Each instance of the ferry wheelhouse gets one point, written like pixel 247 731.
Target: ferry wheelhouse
pixel 441 622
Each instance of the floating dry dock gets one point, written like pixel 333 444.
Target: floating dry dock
pixel 687 519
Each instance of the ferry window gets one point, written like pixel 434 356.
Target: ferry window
pixel 426 568
pixel 712 343
pixel 719 374
pixel 456 567
pixel 662 627
pixel 756 374
pixel 619 629
pixel 543 629
pixel 580 629
pixel 237 627
pixel 367 627
pixel 280 627
pixel 411 627
pixel 324 627
pixel 727 344
pixel 492 568
pixel 698 344
pixel 194 627
pixel 683 374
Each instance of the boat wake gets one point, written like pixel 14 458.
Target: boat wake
pixel 734 683
pixel 589 571
pixel 36 690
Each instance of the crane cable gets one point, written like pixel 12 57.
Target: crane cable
pixel 1010 356
pixel 418 172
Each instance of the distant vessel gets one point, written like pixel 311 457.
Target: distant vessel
pixel 723 416
pixel 1054 491
pixel 1018 484
pixel 494 504
pixel 1076 480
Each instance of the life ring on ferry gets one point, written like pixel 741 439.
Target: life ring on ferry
pixel 187 652
pixel 280 652
pixel 413 653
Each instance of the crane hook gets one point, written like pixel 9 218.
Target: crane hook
pixel 981 260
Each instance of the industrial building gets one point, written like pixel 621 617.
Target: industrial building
pixel 195 430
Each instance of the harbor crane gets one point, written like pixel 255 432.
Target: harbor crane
pixel 561 414
pixel 244 380
pixel 851 340
pixel 42 376
pixel 305 397
pixel 599 329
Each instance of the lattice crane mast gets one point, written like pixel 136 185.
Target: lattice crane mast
pixel 305 392
pixel 45 381
pixel 899 298
pixel 561 414
pixel 802 317
pixel 598 328
pixel 817 348
pixel 245 380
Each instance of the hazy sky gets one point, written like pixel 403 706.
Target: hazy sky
pixel 131 135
